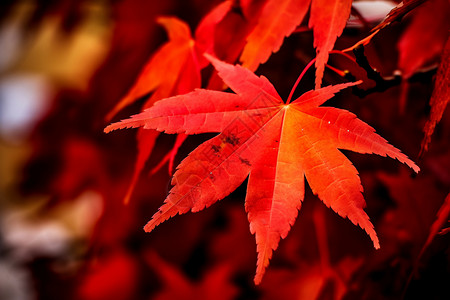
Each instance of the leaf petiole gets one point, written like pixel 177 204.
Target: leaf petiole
pixel 310 64
pixel 343 54
pixel 298 80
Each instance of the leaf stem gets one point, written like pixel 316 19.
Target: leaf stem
pixel 343 54
pixel 336 70
pixel 300 78
pixel 309 65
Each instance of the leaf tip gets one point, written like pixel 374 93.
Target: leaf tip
pixel 109 128
pixel 405 160
pixel 155 221
pixel 148 227
pixel 214 60
pixel 209 56
pixel 257 279
pixel 373 235
pixel 114 126
pixel 376 243
pixel 261 269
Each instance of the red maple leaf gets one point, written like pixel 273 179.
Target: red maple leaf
pixel 328 20
pixel 423 40
pixel 162 72
pixel 173 69
pixel 214 284
pixel 439 98
pixel 277 143
pixel 278 20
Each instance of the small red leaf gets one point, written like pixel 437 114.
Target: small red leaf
pixel 163 68
pixel 328 19
pixel 439 98
pixel 441 218
pixel 145 141
pixel 205 32
pixel 173 69
pixel 424 38
pixel 170 157
pixel 278 20
pixel 215 284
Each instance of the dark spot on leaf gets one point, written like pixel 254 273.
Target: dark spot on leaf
pixel 244 161
pixel 231 139
pixel 215 148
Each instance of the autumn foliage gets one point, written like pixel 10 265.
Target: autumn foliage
pixel 261 111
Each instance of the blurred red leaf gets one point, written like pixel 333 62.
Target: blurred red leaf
pixel 170 156
pixel 73 176
pixel 205 32
pixel 441 218
pixel 416 202
pixel 146 140
pixel 231 34
pixel 439 98
pixel 242 257
pixel 214 284
pixel 113 276
pixel 173 69
pixel 424 38
pixel 162 71
pixel 311 281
